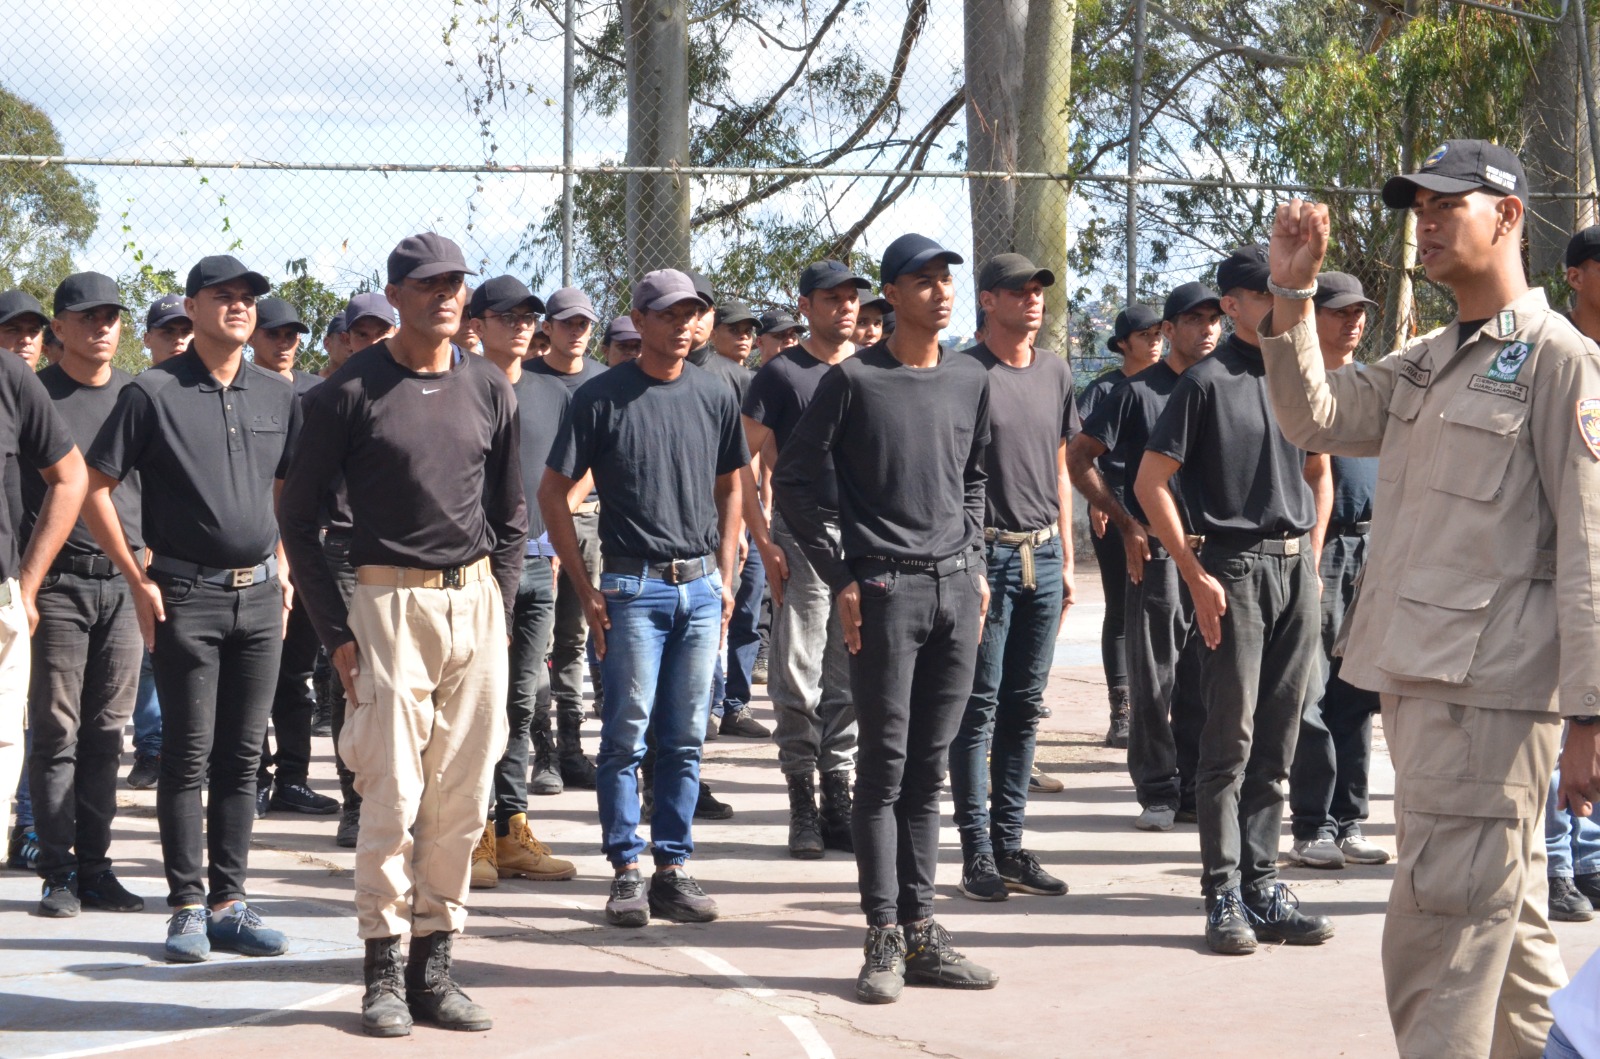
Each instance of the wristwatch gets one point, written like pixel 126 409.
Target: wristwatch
pixel 1586 720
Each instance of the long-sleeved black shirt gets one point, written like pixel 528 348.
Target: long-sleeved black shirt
pixel 430 461
pixel 908 455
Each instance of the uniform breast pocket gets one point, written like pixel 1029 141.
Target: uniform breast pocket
pixel 1475 446
pixel 1404 405
pixel 1439 617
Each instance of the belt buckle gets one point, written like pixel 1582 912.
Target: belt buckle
pixel 1291 546
pixel 675 571
pixel 451 577
pixel 242 578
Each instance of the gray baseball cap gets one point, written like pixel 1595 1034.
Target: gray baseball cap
pixel 371 304
pixel 568 302
pixel 663 289
pixel 734 311
pixel 1340 290
pixel 827 274
pixel 1012 272
pixel 621 329
pixel 425 255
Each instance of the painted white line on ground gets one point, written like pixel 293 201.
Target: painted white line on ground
pixel 189 1035
pixel 804 1032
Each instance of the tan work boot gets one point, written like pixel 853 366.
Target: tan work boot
pixel 484 875
pixel 519 854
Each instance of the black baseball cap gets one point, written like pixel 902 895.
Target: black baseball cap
pixel 828 274
pixel 621 329
pixel 1244 269
pixel 702 287
pixel 370 304
pixel 777 320
pixel 1584 246
pixel 1188 297
pixel 911 252
pixel 734 311
pixel 1459 166
pixel 83 291
pixel 888 322
pixel 220 268
pixel 338 326
pixel 164 310
pixel 569 302
pixel 424 255
pixel 15 303
pixel 880 304
pixel 501 294
pixel 1135 317
pixel 1012 272
pixel 275 312
pixel 1340 290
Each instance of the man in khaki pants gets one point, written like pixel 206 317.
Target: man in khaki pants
pixel 429 437
pixel 1477 620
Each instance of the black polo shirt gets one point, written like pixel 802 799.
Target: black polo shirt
pixel 656 449
pixel 84 409
pixel 779 392
pixel 1122 422
pixel 32 434
pixel 1112 469
pixel 207 456
pixel 541 403
pixel 1240 474
pixel 1031 412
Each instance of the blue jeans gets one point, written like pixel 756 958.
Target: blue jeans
pixel 1002 714
pixel 660 652
pixel 147 713
pixel 24 808
pixel 1572 842
pixel 1558 1047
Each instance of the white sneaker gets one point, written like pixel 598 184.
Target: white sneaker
pixel 1156 818
pixel 1319 852
pixel 1357 850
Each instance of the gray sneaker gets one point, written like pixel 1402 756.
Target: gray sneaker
pixel 1319 852
pixel 1357 850
pixel 627 905
pixel 883 973
pixel 1156 818
pixel 675 896
pixel 931 960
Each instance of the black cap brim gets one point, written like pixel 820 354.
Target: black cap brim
pixel 839 280
pixel 8 317
pixel 93 303
pixel 739 318
pixel 1400 191
pixel 259 284
pixel 505 305
pixel 273 325
pixel 921 259
pixel 1173 312
pixel 1018 280
pixel 1346 299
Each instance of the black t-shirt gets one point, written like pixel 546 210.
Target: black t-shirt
pixel 707 359
pixel 1355 483
pixel 206 454
pixel 778 394
pixel 85 410
pixel 32 434
pixel 1031 411
pixel 1111 467
pixel 541 404
pixel 1122 422
pixel 1240 474
pixel 431 467
pixel 656 449
pixel 908 453
pixel 587 369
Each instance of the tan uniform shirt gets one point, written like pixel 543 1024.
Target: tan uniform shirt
pixel 1485 556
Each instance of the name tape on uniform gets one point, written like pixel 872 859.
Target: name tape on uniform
pixel 1499 387
pixel 1589 424
pixel 1415 373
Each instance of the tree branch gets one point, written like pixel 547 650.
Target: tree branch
pixel 913 159
pixel 1259 56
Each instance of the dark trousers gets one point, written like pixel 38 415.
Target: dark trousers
pixel 1113 563
pixel 329 688
pixel 571 633
pixel 911 680
pixel 216 660
pixel 1254 685
pixel 85 673
pixel 292 705
pixel 1328 784
pixel 744 633
pixel 1167 711
pixel 532 620
pixel 992 755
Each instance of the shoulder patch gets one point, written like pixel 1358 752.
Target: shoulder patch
pixel 1509 361
pixel 1499 387
pixel 1415 373
pixel 1589 424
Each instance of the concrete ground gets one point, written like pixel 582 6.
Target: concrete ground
pixel 1117 967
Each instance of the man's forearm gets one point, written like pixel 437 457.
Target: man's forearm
pixel 100 515
pixel 1092 484
pixel 1155 496
pixel 63 500
pixel 558 524
pixel 729 523
pixel 755 519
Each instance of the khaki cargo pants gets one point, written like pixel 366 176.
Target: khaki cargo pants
pixel 14 667
pixel 1469 960
pixel 422 741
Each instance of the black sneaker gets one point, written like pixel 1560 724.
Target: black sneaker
pixel 103 890
pixel 23 852
pixel 707 807
pixel 1022 873
pixel 322 721
pixel 980 880
pixel 298 798
pixel 1275 915
pixel 883 973
pixel 60 897
pixel 931 961
pixel 627 906
pixel 146 771
pixel 1227 926
pixel 1186 816
pixel 1589 886
pixel 349 827
pixel 676 896
pixel 740 724
pixel 263 798
pixel 1568 904
pixel 578 772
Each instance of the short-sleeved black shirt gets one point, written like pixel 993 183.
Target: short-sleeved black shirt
pixel 1240 474
pixel 707 359
pixel 206 454
pixel 656 449
pixel 541 404
pixel 588 368
pixel 1355 483
pixel 32 431
pixel 1122 422
pixel 1093 395
pixel 85 410
pixel 778 394
pixel 1031 411
pixel 304 382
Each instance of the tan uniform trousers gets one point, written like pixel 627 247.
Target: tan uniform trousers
pixel 14 668
pixel 422 742
pixel 1469 960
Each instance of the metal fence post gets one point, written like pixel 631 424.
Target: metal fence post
pixel 568 95
pixel 1135 94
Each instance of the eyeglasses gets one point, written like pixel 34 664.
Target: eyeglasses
pixel 516 321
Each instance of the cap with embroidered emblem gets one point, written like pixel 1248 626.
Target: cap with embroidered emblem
pixel 1459 166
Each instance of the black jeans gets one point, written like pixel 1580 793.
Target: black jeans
pixel 532 619
pixel 1254 685
pixel 1113 562
pixel 292 705
pixel 216 661
pixel 911 680
pixel 1328 784
pixel 1166 710
pixel 85 673
pixel 330 689
pixel 572 632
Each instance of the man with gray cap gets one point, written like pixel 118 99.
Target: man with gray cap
pixel 368 320
pixel 907 573
pixel 336 344
pixel 439 526
pixel 22 326
pixel 213 603
pixel 776 331
pixel 621 341
pixel 1476 619
pixel 662 441
pixel 1027 535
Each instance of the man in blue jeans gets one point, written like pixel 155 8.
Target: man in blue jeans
pixel 1028 544
pixel 146 768
pixel 663 441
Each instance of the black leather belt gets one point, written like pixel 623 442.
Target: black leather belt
pixel 85 566
pixel 672 571
pixel 937 567
pixel 1249 542
pixel 227 577
pixel 1349 529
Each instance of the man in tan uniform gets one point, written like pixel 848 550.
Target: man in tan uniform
pixel 1478 620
